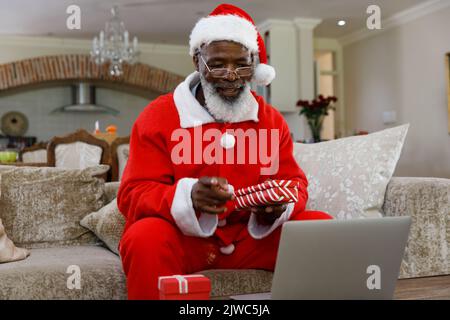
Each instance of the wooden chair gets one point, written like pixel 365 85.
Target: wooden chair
pixel 37 153
pixel 78 150
pixel 118 160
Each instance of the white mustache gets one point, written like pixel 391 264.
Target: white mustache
pixel 239 86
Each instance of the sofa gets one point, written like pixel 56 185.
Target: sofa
pixel 45 273
pixel 46 209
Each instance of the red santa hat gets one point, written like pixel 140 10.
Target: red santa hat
pixel 228 22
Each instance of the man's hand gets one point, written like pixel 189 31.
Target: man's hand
pixel 210 194
pixel 268 214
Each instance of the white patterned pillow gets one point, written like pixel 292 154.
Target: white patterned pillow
pixel 348 177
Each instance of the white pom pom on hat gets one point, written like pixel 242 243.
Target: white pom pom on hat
pixel 264 74
pixel 228 22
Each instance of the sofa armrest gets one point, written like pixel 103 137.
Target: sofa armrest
pixel 111 189
pixel 427 201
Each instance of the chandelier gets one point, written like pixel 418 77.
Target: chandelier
pixel 113 45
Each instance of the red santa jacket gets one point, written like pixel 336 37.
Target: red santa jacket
pixel 175 141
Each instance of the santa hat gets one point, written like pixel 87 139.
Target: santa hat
pixel 228 22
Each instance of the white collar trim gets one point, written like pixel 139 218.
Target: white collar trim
pixel 191 112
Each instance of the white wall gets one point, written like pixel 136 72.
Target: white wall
pixel 403 69
pixel 37 104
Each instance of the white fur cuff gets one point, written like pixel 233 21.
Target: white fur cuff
pixel 183 212
pixel 258 231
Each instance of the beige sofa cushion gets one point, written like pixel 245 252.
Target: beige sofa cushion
pixel 107 224
pixel 46 273
pixel 111 189
pixel 348 177
pixel 42 206
pixel 427 201
pixel 228 282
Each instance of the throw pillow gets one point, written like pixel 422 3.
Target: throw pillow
pixel 348 177
pixel 8 251
pixel 124 152
pixel 111 189
pixel 108 224
pixel 42 206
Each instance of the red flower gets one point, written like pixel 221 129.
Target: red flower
pixel 316 108
pixel 301 103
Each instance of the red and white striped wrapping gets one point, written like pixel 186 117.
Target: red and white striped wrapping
pixel 266 193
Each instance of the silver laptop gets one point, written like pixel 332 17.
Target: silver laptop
pixel 338 259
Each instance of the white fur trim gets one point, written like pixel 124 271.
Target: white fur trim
pixel 192 114
pixel 264 74
pixel 184 214
pixel 223 27
pixel 227 141
pixel 229 249
pixel 258 231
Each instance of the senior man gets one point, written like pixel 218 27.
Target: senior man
pixel 189 149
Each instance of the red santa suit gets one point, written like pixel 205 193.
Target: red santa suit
pixel 164 235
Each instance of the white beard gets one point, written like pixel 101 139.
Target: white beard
pixel 226 110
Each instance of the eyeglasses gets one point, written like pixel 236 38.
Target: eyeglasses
pixel 223 72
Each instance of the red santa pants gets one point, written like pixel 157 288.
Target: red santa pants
pixel 153 247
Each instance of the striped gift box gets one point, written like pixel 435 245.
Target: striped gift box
pixel 266 193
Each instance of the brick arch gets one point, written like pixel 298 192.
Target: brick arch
pixel 79 67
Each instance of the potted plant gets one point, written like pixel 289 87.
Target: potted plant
pixel 315 111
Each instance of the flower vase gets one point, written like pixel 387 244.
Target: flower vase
pixel 316 127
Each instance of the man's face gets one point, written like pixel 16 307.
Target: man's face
pixel 225 54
